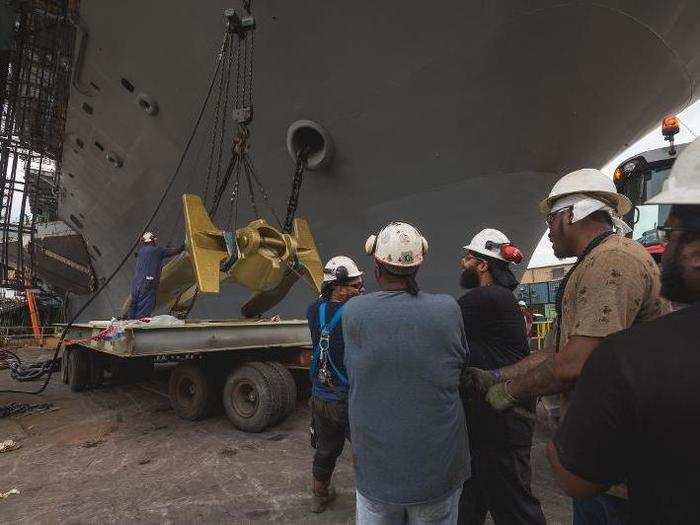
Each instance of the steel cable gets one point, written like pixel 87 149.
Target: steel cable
pixel 171 181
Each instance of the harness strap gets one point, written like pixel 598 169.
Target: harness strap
pixel 326 330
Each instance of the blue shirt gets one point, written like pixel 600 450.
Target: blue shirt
pixel 339 391
pixel 404 355
pixel 149 262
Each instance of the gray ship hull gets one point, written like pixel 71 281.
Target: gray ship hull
pixel 452 116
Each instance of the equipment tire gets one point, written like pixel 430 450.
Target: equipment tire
pixel 278 388
pixel 249 399
pixel 190 392
pixel 290 387
pixel 78 369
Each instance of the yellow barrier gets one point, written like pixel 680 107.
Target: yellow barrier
pixel 540 329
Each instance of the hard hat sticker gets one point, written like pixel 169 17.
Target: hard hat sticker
pixel 406 258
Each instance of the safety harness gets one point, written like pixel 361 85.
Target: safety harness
pixel 321 359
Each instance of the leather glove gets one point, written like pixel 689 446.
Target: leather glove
pixel 499 397
pixel 476 381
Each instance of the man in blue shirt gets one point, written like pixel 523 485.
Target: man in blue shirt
pixel 144 285
pixel 405 351
pixel 342 280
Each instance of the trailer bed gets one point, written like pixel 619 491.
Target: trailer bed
pixel 194 337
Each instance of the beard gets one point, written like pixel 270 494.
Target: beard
pixel 469 279
pixel 673 286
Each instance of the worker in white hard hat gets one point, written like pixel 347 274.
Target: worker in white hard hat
pixel 144 285
pixel 404 352
pixel 342 280
pixel 635 413
pixel 613 285
pixel 500 441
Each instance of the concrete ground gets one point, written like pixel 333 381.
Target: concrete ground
pixel 121 455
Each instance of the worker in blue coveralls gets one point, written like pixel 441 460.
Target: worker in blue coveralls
pixel 342 280
pixel 144 285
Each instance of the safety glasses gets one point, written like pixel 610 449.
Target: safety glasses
pixel 469 255
pixel 664 232
pixel 553 215
pixel 356 286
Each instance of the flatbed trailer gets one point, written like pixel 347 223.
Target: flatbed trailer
pixel 247 364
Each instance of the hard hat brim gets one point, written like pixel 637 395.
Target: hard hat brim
pixel 331 278
pixel 676 196
pixel 485 253
pixel 620 203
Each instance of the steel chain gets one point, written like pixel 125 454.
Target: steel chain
pixel 293 201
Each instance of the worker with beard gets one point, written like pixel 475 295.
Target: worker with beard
pixel 635 413
pixel 613 285
pixel 500 441
pixel 342 280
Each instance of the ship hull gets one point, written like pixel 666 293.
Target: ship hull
pixel 452 117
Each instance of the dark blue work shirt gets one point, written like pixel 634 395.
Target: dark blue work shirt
pixel 149 261
pixel 339 390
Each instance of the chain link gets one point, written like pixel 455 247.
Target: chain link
pixel 293 201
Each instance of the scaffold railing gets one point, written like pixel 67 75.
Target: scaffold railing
pixel 35 72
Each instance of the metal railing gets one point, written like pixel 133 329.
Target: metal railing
pixel 540 329
pixel 13 336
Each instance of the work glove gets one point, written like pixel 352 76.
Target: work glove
pixel 476 382
pixel 499 397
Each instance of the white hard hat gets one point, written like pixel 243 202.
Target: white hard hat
pixel 522 303
pixel 148 237
pixel 340 267
pixel 590 182
pixel 493 238
pixel 398 245
pixel 683 184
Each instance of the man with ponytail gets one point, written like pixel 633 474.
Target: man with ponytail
pixel 404 353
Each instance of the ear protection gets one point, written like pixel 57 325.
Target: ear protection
pixel 508 251
pixel 340 273
pixel 371 242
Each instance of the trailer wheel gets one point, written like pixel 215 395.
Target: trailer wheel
pixel 190 392
pixel 278 388
pixel 78 369
pixel 289 387
pixel 249 399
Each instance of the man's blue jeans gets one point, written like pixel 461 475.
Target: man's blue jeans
pixel 603 509
pixel 441 512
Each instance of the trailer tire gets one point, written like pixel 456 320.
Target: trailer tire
pixel 289 387
pixel 278 388
pixel 78 369
pixel 190 392
pixel 249 398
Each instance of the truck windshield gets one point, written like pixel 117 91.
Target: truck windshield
pixel 646 217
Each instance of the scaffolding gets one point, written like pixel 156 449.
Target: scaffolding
pixel 35 73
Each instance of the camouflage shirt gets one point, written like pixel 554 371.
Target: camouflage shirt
pixel 616 286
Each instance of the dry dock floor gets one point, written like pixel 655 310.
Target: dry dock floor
pixel 120 455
